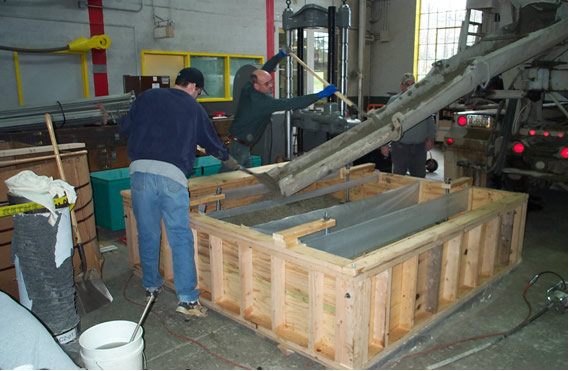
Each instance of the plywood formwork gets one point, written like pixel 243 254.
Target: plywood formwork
pixel 345 313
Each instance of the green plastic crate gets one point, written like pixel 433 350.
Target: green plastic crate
pixel 208 165
pixel 107 186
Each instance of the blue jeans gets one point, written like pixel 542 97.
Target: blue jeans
pixel 156 198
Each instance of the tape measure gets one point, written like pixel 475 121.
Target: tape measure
pixel 22 208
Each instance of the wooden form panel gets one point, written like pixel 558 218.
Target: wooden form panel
pixel 203 259
pixel 348 313
pixel 380 304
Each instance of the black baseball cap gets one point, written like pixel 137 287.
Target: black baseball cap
pixel 191 74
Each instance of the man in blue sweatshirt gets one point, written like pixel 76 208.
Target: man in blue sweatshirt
pixel 256 105
pixel 163 128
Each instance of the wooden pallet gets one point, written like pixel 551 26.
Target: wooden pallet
pixel 346 313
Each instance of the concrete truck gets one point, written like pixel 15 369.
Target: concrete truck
pixel 525 44
pixel 511 133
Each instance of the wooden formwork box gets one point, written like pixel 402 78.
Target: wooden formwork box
pixel 16 157
pixel 346 313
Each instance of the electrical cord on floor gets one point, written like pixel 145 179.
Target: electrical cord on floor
pixel 502 335
pixel 178 335
pixel 489 344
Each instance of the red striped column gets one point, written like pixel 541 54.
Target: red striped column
pixel 270 14
pixel 97 27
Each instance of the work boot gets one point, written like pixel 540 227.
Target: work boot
pixel 150 293
pixel 192 308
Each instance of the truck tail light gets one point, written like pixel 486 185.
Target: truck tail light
pixel 518 147
pixel 532 132
pixel 564 153
pixel 546 133
pixel 462 120
pixel 449 141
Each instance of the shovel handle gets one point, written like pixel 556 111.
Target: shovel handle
pixel 326 83
pixel 61 172
pixel 152 298
pixel 82 257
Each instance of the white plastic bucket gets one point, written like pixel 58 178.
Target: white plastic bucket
pixel 101 347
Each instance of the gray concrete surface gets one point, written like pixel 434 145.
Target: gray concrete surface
pixel 176 342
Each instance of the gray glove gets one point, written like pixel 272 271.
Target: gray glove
pixel 284 51
pixel 231 163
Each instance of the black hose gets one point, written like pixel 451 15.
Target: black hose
pixel 27 50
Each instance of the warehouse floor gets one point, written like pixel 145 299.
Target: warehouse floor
pixel 173 341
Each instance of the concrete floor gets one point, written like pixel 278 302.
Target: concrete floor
pixel 173 341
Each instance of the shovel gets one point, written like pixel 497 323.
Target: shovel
pixel 268 181
pixel 265 179
pixel 91 290
pixel 326 83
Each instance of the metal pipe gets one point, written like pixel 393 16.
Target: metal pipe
pixel 343 67
pixel 347 181
pixel 71 113
pixel 331 47
pixel 74 105
pixel 299 67
pixel 344 9
pixel 300 83
pixel 218 202
pixel 87 5
pixel 561 108
pixel 288 115
pixel 361 48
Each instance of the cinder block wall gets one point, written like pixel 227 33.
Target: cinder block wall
pixel 214 26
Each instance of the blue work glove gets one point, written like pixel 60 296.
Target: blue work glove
pixel 328 91
pixel 284 51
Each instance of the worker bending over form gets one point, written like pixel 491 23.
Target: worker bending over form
pixel 163 128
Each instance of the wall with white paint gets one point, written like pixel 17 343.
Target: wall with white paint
pixel 205 26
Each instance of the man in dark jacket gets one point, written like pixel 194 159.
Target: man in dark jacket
pixel 410 152
pixel 163 128
pixel 255 106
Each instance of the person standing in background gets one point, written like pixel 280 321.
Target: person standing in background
pixel 409 153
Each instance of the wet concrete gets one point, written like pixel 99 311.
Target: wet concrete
pixel 282 211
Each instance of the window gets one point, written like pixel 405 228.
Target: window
pixel 219 69
pixel 439 30
pixel 235 64
pixel 213 69
pixel 315 56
